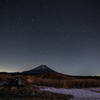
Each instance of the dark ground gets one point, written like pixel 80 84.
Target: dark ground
pixel 29 93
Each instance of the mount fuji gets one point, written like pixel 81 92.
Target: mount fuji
pixel 38 70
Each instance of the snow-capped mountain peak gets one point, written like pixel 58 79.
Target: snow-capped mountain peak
pixel 40 69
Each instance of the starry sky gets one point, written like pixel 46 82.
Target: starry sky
pixel 62 34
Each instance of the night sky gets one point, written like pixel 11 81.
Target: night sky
pixel 62 34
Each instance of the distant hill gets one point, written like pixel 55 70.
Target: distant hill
pixel 38 70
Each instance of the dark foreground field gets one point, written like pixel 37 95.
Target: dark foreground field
pixel 29 93
pixel 54 80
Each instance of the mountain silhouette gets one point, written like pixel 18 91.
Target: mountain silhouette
pixel 38 70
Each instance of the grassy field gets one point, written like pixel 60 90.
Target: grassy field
pixel 55 80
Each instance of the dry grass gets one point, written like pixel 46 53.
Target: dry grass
pixel 83 83
pixel 75 83
pixel 54 80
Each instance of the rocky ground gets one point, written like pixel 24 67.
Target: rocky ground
pixel 29 93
